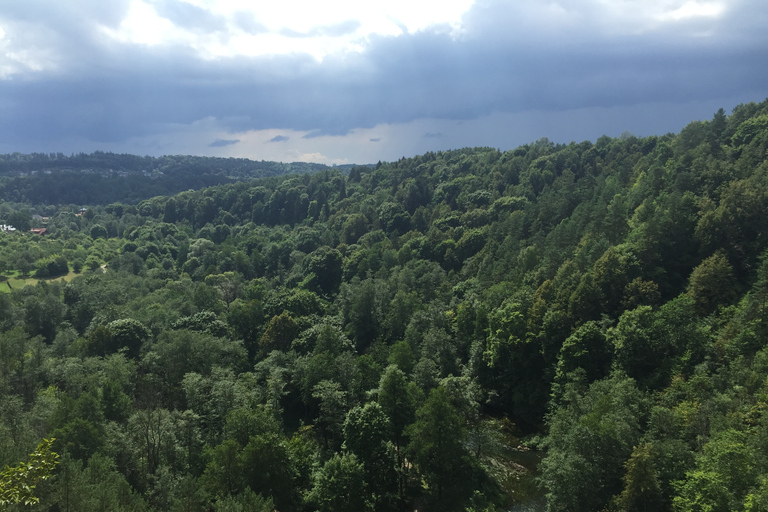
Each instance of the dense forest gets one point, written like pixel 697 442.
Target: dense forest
pixel 577 327
pixel 54 178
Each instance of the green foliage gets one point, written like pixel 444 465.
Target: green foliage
pixel 590 437
pixel 280 332
pixel 339 486
pixel 711 284
pixel 514 360
pixel 724 472
pixel 366 435
pixel 18 483
pixel 246 501
pixel 52 266
pixel 128 334
pixel 641 485
pixel 397 398
pixel 138 178
pixel 98 486
pixel 99 231
pixel 204 321
pixel 250 344
pixel 332 404
pixel 586 348
pixel 223 474
pixel 80 437
pixel 323 270
pixel 401 355
pixel 437 447
pixel 268 469
pixel 748 130
pixel 178 353
pixel 637 351
pixel 20 219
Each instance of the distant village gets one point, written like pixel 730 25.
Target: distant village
pixel 7 228
pixel 37 219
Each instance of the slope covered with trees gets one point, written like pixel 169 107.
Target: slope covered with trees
pixel 103 178
pixel 382 339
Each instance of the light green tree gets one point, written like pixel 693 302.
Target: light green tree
pixel 18 483
pixel 340 486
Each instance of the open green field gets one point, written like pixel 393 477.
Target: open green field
pixel 14 281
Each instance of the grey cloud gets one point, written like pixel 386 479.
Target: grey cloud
pixel 64 33
pixel 562 24
pixel 375 140
pixel 278 138
pixel 501 64
pixel 65 15
pixel 433 135
pixel 188 16
pixel 220 143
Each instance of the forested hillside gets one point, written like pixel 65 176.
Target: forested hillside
pixel 101 178
pixel 398 337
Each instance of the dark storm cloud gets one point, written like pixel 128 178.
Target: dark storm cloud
pixel 220 143
pixel 278 138
pixel 502 63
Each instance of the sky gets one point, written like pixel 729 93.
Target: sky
pixel 350 81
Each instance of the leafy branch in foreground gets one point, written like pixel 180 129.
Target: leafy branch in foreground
pixel 17 484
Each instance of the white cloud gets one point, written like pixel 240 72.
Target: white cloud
pixel 22 49
pixel 694 10
pixel 289 26
pixel 142 25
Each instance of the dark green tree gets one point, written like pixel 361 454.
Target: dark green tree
pixel 438 451
pixel 398 399
pixel 590 437
pixel 711 284
pixel 267 468
pixel 279 334
pixel 367 434
pixel 322 269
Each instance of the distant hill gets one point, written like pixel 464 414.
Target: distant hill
pixel 103 178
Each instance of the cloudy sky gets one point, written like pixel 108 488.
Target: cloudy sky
pixel 350 81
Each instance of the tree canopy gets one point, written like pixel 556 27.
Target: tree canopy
pixel 573 327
